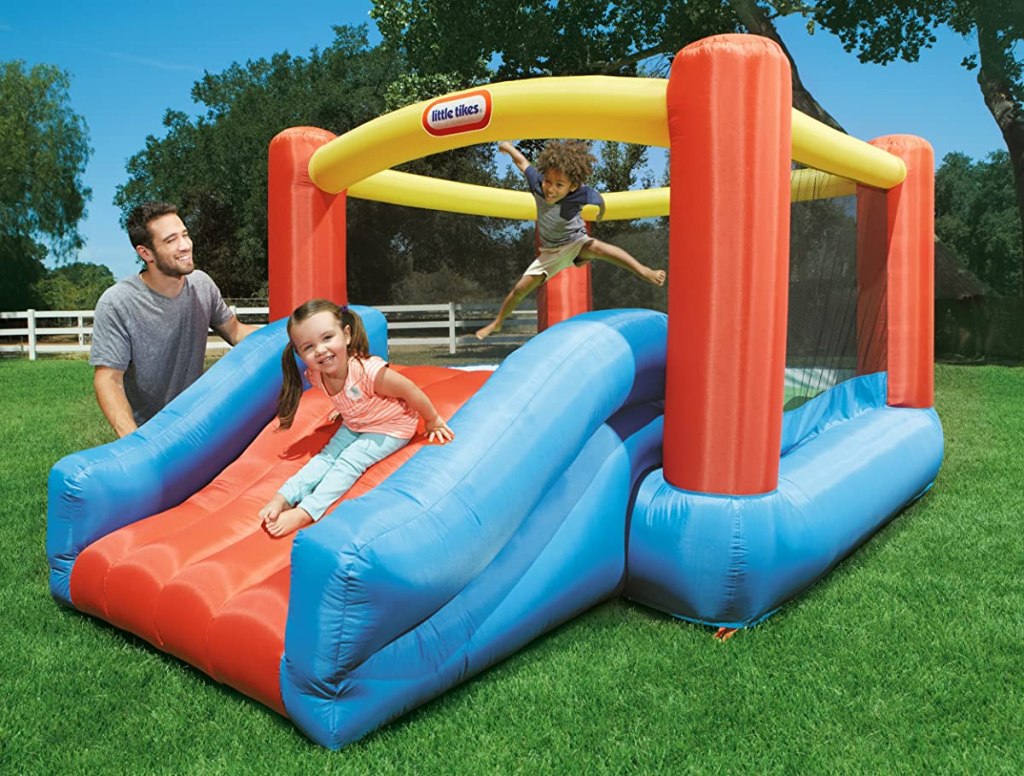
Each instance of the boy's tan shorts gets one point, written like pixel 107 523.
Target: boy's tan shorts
pixel 551 261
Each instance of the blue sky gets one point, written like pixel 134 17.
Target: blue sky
pixel 129 62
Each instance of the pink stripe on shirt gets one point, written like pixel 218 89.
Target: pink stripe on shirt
pixel 362 409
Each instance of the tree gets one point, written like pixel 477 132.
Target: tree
pixel 215 167
pixel 75 286
pixel 22 262
pixel 571 37
pixel 976 216
pixel 881 31
pixel 530 38
pixel 44 148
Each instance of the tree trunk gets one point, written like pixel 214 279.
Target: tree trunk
pixel 753 17
pixel 997 89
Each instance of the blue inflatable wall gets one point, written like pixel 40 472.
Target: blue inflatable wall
pixel 550 501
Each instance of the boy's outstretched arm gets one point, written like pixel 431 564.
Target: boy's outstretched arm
pixel 518 159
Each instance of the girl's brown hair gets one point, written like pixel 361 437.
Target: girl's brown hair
pixel 291 387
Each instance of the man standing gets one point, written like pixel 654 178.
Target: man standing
pixel 150 329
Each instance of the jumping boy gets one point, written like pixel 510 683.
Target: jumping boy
pixel 557 185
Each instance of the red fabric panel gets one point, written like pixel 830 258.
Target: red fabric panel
pixel 246 639
pixel 203 581
pixel 910 271
pixel 306 227
pixel 729 113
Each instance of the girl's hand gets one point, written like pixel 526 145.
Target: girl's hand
pixel 505 147
pixel 333 417
pixel 438 431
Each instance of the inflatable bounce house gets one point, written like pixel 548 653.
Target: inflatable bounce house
pixel 707 463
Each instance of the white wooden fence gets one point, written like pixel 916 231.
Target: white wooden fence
pixel 70 331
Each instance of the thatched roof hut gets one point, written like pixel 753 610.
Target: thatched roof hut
pixel 953 281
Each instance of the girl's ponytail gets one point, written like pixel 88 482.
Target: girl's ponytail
pixel 360 343
pixel 291 388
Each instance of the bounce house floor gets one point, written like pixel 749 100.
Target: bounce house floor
pixel 203 580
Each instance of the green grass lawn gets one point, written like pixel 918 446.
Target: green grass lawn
pixel 908 658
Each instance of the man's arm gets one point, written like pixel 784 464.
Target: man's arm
pixel 109 386
pixel 233 330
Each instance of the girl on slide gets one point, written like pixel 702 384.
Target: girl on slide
pixel 379 409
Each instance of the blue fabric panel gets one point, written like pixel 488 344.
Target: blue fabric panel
pixel 381 566
pixel 730 561
pixel 840 403
pixel 566 556
pixel 175 454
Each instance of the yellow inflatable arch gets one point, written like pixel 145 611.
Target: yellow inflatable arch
pixel 619 109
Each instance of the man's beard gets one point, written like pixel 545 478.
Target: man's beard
pixel 172 268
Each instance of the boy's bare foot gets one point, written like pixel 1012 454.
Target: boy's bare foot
pixel 287 522
pixel 491 328
pixel 654 276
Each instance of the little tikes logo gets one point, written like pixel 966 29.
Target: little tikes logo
pixel 464 113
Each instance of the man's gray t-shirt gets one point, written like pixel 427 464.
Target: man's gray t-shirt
pixel 158 342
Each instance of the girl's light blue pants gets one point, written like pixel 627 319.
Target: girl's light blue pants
pixel 334 469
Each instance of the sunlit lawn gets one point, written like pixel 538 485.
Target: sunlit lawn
pixel 906 659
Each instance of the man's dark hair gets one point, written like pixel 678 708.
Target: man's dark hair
pixel 139 218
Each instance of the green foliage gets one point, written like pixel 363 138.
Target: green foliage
pixel 44 148
pixel 438 287
pixel 823 241
pixel 43 152
pixel 881 31
pixel 976 215
pixel 647 242
pixel 215 166
pixel 74 286
pixel 621 167
pixel 21 261
pixel 535 38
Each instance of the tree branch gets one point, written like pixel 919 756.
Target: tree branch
pixel 753 17
pixel 999 94
pixel 640 56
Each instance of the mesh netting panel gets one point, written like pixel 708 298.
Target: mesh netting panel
pixel 827 342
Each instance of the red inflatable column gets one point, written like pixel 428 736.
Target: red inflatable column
pixel 729 121
pixel 896 236
pixel 565 295
pixel 305 226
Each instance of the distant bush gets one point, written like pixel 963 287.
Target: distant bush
pixel 442 285
pixel 74 286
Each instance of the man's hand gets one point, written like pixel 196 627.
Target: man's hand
pixel 233 331
pixel 109 386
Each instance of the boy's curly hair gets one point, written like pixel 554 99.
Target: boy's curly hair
pixel 572 157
